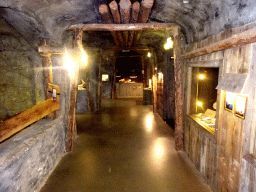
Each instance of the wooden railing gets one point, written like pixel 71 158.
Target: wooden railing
pixel 18 122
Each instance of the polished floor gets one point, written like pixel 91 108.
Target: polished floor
pixel 124 147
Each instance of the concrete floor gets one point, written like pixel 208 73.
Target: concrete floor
pixel 124 147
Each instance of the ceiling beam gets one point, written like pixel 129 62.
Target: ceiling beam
pixel 125 27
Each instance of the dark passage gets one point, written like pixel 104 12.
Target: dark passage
pixel 124 147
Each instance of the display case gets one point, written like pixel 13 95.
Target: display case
pixel 203 96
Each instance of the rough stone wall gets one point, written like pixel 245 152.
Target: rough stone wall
pixel 108 62
pixel 20 76
pixel 28 158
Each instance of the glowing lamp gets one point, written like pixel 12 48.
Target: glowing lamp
pixel 69 64
pixel 201 76
pixel 84 58
pixel 149 54
pixel 199 103
pixel 169 44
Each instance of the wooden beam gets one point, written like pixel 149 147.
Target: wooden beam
pixel 47 71
pixel 135 12
pixel 240 39
pixel 78 38
pixel 179 101
pixel 48 78
pixel 134 19
pixel 71 129
pixel 104 11
pixel 60 50
pixel 115 12
pixel 50 50
pixel 125 27
pixel 18 122
pixel 145 10
pixel 71 118
pixel 125 10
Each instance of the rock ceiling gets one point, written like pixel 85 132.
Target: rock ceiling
pixel 48 19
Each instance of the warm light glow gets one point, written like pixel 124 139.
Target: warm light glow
pixel 149 122
pixel 160 76
pixel 105 77
pixel 199 103
pixel 201 76
pixel 155 68
pixel 169 44
pixel 149 54
pixel 159 150
pixel 84 58
pixel 150 83
pixel 69 64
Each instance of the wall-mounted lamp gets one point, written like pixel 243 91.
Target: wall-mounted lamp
pixel 199 103
pixel 169 44
pixel 201 76
pixel 149 54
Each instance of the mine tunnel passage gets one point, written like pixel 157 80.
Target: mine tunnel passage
pixel 124 147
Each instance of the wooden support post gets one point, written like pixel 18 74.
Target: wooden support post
pixel 71 118
pixel 114 80
pixel 179 103
pixel 134 19
pixel 104 11
pixel 125 10
pixel 71 130
pixel 100 82
pixel 47 71
pixel 48 78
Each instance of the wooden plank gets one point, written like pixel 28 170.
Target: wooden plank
pixel 125 27
pixel 235 40
pixel 48 77
pixel 145 10
pixel 211 63
pixel 134 19
pixel 71 129
pixel 115 12
pixel 50 50
pixel 179 103
pixel 26 118
pixel 71 118
pixel 104 11
pixel 125 11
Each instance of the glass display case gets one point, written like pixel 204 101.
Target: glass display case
pixel 204 96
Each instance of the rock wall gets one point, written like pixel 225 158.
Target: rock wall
pixel 20 75
pixel 28 158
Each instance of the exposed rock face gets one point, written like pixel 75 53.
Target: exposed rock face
pixel 37 19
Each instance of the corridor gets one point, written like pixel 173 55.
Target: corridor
pixel 124 147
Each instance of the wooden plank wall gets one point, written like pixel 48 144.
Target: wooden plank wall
pixel 229 128
pixel 200 147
